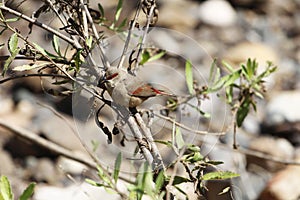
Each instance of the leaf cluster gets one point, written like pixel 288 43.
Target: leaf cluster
pixel 6 191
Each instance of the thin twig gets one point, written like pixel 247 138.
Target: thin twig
pixel 145 33
pixel 41 25
pixel 189 129
pixel 90 19
pixel 46 144
pixel 32 75
pixel 132 26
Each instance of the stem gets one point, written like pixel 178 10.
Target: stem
pixel 43 26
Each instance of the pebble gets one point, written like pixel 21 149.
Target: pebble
pixel 182 19
pixel 261 52
pixel 284 185
pixel 7 165
pixel 83 191
pixel 279 148
pixel 217 13
pixel 283 107
pixel 70 166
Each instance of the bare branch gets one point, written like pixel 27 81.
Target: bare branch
pixel 189 129
pixel 132 26
pixel 41 25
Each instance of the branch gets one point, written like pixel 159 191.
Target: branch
pixel 132 26
pixel 32 75
pixel 189 129
pixel 41 25
pixel 28 135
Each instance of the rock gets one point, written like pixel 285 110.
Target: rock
pixel 7 166
pixel 83 191
pixel 278 148
pixel 283 107
pixel 7 105
pixel 217 13
pixel 70 166
pixel 284 185
pixel 241 52
pixel 57 130
pixel 182 19
pixel 45 171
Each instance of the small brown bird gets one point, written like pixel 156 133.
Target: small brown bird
pixel 128 90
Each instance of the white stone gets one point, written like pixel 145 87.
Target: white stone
pixel 217 13
pixel 83 191
pixel 283 107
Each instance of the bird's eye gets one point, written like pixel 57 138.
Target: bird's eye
pixel 112 76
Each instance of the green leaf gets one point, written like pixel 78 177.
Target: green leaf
pixel 5 189
pixel 119 10
pixel 193 148
pixel 179 179
pixel 94 183
pixel 243 111
pixel 167 143
pixel 29 66
pixel 27 193
pixel 189 77
pixel 12 19
pixel 101 9
pixel 179 139
pixel 219 175
pixel 160 180
pixel 157 56
pixel 232 78
pixel 56 45
pixel 13 43
pixel 213 73
pixel 145 57
pixel 117 167
pixel 8 62
pixel 197 157
pixel 228 66
pixel 40 49
pixel 89 41
pixel 229 94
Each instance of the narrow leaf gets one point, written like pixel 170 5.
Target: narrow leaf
pixel 101 9
pixel 117 167
pixel 29 66
pixel 179 139
pixel 189 77
pixel 12 19
pixel 159 181
pixel 119 10
pixel 219 175
pixel 179 179
pixel 145 57
pixel 228 66
pixel 157 56
pixel 9 60
pixel 242 112
pixel 13 43
pixel 27 192
pixel 56 45
pixel 5 188
pixel 40 49
pixel 232 78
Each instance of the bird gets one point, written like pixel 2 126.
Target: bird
pixel 128 90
